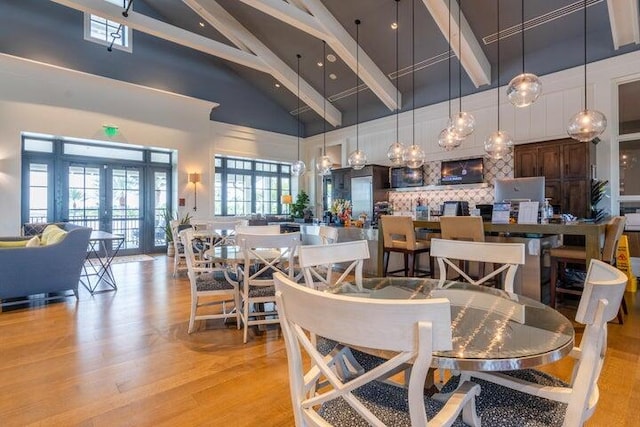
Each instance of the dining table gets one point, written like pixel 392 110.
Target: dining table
pixel 492 330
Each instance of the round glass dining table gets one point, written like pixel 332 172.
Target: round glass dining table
pixel 491 330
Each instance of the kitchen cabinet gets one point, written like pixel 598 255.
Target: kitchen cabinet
pixel 566 165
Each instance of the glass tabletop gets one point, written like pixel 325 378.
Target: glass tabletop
pixel 491 329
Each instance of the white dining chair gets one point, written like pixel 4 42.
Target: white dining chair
pixel 506 257
pixel 209 287
pixel 321 398
pixel 264 255
pixel 328 234
pixel 223 230
pixel 179 257
pixel 316 262
pixel 520 396
pixel 257 229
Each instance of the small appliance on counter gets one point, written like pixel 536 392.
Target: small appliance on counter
pixel 380 208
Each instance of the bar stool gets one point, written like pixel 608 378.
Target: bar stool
pixel 399 235
pixel 470 228
pixel 577 255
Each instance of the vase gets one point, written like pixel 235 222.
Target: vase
pixel 338 222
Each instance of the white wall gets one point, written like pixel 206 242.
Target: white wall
pixel 44 99
pixel 545 120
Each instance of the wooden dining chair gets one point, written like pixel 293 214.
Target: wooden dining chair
pixel 505 256
pixel 531 397
pixel 399 235
pixel 264 255
pixel 321 398
pixel 564 255
pixel 316 262
pixel 209 287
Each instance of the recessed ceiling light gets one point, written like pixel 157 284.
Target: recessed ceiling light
pixel 320 64
pixel 331 58
pixel 394 25
pixel 201 24
pixel 333 76
pixel 277 84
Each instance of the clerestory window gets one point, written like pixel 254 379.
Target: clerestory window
pixel 106 32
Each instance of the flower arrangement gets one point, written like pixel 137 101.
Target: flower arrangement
pixel 342 209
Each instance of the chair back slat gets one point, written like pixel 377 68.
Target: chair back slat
pixel 310 257
pixel 462 228
pixel 612 234
pixel 603 281
pixel 258 229
pixel 398 228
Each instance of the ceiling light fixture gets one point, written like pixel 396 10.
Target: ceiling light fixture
pixel 394 153
pixel 413 156
pixel 448 139
pixel 201 24
pixel 320 64
pixel 499 144
pixel 323 166
pixel 463 124
pixel 298 167
pixel 586 124
pixel 525 88
pixel 333 76
pixel 357 159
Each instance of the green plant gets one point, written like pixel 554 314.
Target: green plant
pixel 598 190
pixel 302 200
pixel 168 217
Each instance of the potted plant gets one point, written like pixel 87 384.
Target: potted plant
pixel 168 234
pixel 598 191
pixel 298 208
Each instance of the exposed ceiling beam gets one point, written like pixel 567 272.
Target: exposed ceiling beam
pixel 623 15
pixel 165 31
pixel 474 60
pixel 291 14
pixel 345 46
pixel 219 18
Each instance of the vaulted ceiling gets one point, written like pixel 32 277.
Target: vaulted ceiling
pixel 256 41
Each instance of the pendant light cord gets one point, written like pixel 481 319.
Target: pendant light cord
pixel 522 32
pixel 357 84
pixel 397 76
pixel 449 59
pixel 585 54
pixel 459 56
pixel 324 96
pixel 498 64
pixel 298 115
pixel 413 71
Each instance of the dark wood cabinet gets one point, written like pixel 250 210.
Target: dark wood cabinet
pixel 566 166
pixel 341 181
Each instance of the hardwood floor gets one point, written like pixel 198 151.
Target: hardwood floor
pixel 125 359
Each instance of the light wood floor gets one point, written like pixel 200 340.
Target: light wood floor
pixel 125 359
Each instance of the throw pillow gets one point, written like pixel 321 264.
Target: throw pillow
pixel 13 243
pixel 56 236
pixel 49 231
pixel 34 242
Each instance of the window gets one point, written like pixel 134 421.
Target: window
pixel 243 187
pixel 106 32
pixel 38 192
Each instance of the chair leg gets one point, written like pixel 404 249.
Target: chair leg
pixel 385 267
pixel 553 279
pixel 623 305
pixel 406 264
pixel 413 259
pixel 622 311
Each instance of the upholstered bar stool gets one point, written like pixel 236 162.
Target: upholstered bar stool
pixel 468 228
pixel 564 255
pixel 399 235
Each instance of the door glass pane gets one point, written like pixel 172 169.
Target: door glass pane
pixel 161 203
pixel 125 206
pixel 84 196
pixel 630 168
pixel 217 201
pixel 38 192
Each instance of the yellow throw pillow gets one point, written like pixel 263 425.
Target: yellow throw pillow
pixel 49 231
pixel 56 236
pixel 34 242
pixel 13 244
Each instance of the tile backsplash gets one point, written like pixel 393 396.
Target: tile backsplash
pixel 405 200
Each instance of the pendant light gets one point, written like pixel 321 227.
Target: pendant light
pixel 525 88
pixel 323 166
pixel 463 124
pixel 357 158
pixel 298 167
pixel 413 156
pixel 448 140
pixel 587 124
pixel 397 148
pixel 499 143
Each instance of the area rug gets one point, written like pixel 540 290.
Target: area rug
pixel 132 258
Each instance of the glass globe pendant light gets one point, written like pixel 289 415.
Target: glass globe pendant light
pixel 448 140
pixel 298 167
pixel 587 124
pixel 463 123
pixel 499 144
pixel 525 88
pixel 357 159
pixel 413 156
pixel 394 153
pixel 323 166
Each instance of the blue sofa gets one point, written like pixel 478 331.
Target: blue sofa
pixel 44 269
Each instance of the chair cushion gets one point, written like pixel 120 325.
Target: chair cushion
pixel 573 252
pixel 262 291
pixel 13 243
pixel 504 407
pixel 213 281
pixel 367 361
pixel 387 402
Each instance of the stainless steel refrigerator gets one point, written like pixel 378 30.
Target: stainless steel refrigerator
pixel 362 196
